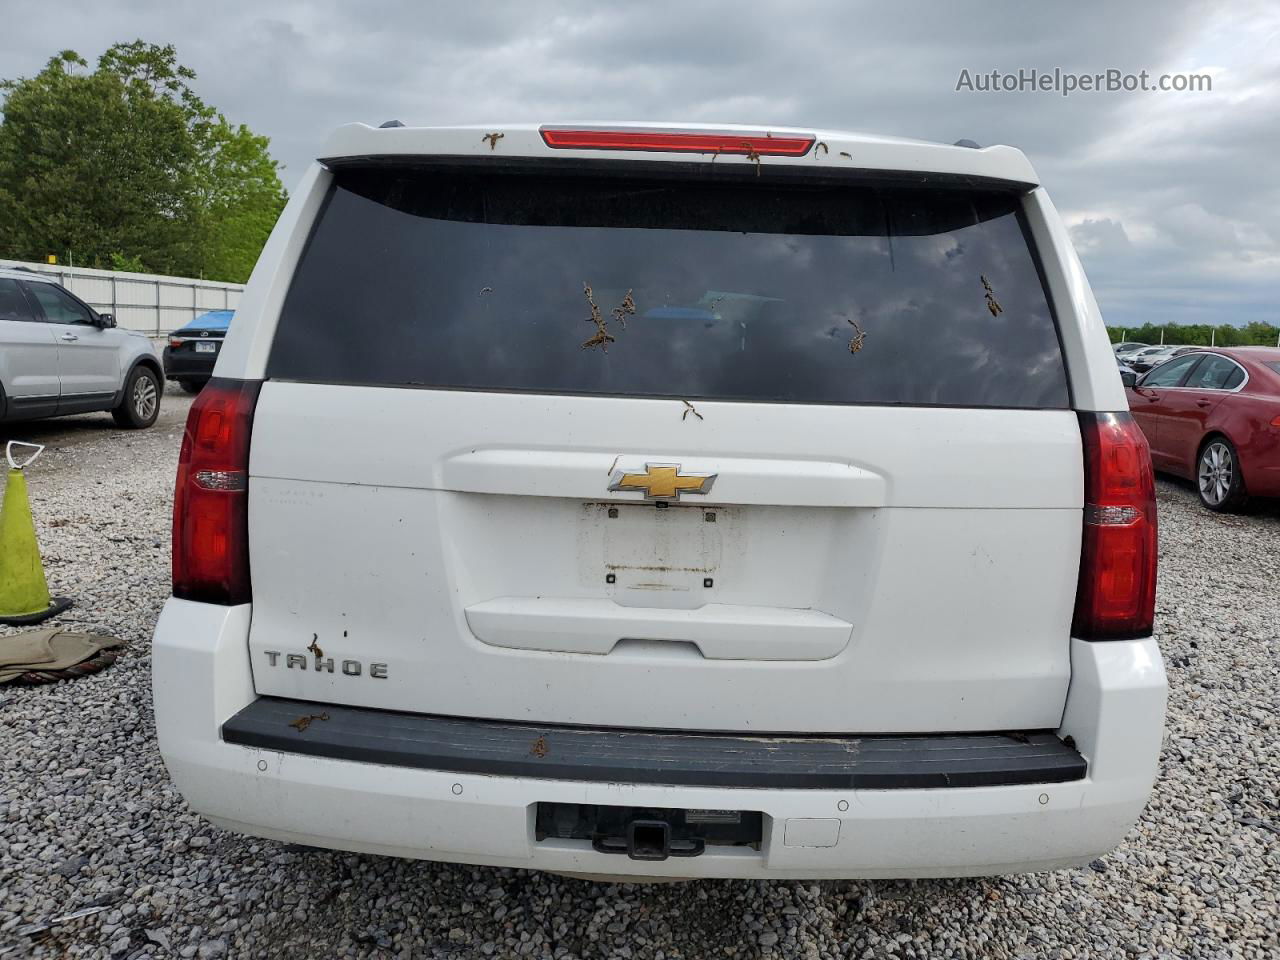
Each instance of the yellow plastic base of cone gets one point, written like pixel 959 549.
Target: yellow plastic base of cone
pixel 23 589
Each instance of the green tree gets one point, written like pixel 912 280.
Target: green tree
pixel 237 199
pixel 126 163
pixel 1253 334
pixel 127 264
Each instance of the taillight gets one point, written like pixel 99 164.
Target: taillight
pixel 175 341
pixel 670 141
pixel 211 501
pixel 1116 597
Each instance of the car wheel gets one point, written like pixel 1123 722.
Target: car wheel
pixel 192 386
pixel 141 403
pixel 1218 477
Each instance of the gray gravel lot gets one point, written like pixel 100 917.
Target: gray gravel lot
pixel 88 817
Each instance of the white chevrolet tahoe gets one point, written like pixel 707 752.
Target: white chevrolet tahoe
pixel 666 502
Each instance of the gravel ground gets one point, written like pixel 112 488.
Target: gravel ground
pixel 88 817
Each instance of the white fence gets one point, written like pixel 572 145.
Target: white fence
pixel 142 301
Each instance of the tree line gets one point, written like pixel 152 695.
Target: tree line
pixel 1255 334
pixel 124 167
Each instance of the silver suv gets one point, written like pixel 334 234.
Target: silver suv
pixel 58 356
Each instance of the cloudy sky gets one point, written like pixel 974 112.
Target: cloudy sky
pixel 1172 197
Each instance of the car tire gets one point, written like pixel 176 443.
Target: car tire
pixel 1219 481
pixel 192 386
pixel 140 405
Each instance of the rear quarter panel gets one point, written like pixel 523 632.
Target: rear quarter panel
pixel 248 342
pixel 1245 419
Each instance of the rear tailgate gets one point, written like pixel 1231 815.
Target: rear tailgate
pixel 652 453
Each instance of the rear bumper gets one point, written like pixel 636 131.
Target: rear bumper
pixel 186 365
pixel 202 679
pixel 592 755
pixel 1261 465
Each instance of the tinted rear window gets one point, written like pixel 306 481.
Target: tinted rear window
pixel 757 291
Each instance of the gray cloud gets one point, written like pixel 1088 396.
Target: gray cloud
pixel 1104 237
pixel 1170 196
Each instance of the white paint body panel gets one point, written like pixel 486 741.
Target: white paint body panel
pixel 201 677
pixel 945 542
pixel 244 351
pixel 1085 345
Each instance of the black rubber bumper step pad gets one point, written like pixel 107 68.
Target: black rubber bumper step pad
pixel 501 748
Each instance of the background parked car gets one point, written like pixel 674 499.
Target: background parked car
pixel 1128 347
pixel 58 356
pixel 192 350
pixel 1144 360
pixel 1213 416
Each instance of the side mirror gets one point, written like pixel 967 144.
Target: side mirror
pixel 106 321
pixel 1128 378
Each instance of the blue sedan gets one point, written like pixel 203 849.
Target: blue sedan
pixel 192 350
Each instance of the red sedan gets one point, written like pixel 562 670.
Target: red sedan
pixel 1213 416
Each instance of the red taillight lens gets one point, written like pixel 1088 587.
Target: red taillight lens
pixel 674 142
pixel 175 341
pixel 211 502
pixel 1116 597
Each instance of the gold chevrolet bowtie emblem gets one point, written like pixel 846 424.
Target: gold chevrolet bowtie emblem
pixel 662 481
